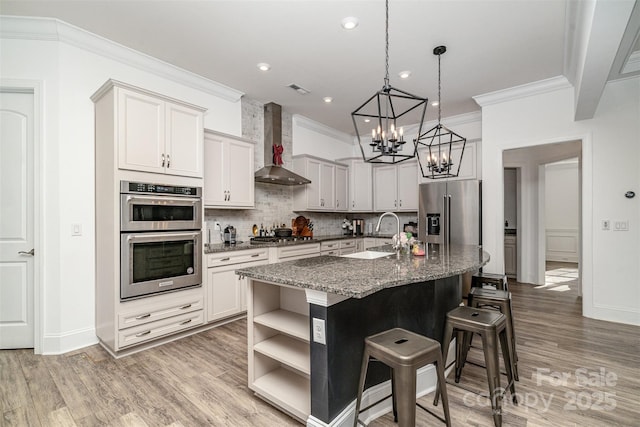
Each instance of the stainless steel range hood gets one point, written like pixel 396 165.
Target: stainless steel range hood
pixel 272 173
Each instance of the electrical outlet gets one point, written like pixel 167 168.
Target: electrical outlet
pixel 318 331
pixel 606 224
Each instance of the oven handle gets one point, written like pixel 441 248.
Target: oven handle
pixel 153 237
pixel 163 200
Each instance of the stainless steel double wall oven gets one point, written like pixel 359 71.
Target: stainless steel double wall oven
pixel 160 238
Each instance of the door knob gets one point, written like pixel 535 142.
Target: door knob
pixel 31 252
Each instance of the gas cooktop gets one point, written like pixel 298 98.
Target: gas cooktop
pixel 272 239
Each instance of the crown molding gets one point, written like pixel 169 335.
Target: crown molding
pixel 451 121
pixel 49 29
pixel 523 91
pixel 312 125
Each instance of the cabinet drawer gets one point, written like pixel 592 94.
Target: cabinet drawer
pixel 154 311
pixel 344 244
pixel 329 246
pixel 298 250
pixel 159 328
pixel 237 257
pixel 334 252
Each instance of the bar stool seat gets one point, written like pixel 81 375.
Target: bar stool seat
pixel 491 326
pixel 499 281
pixel 500 300
pixel 404 352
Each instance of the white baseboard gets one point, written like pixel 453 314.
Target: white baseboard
pixel 68 341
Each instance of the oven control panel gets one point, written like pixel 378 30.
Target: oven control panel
pixel 130 187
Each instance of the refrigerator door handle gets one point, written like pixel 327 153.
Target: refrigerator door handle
pixel 445 221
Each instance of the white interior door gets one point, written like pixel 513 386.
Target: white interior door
pixel 16 220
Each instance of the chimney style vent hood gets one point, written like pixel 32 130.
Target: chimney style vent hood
pixel 273 172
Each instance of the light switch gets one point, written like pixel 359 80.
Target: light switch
pixel 621 226
pixel 76 229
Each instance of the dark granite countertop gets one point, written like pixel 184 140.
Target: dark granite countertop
pixel 244 245
pixel 357 278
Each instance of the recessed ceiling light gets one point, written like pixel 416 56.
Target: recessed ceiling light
pixel 434 103
pixel 327 99
pixel 263 66
pixel 350 22
pixel 367 120
pixel 404 74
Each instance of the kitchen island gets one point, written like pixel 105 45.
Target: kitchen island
pixel 307 320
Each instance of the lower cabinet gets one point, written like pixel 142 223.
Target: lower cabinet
pixel 226 291
pixel 510 256
pixel 279 350
pixel 154 317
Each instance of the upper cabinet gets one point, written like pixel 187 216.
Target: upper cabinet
pixel 153 133
pixel 395 187
pixel 360 185
pixel 327 190
pixel 228 171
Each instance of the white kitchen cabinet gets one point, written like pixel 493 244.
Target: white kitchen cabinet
pixel 291 252
pixel 468 167
pixel 510 256
pixel 320 195
pixel 342 188
pixel 360 185
pixel 395 187
pixel 153 133
pixel 228 172
pixel 279 350
pixel 226 293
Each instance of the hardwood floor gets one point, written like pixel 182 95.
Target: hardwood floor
pixel 573 372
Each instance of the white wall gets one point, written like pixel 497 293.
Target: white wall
pixel 316 139
pixel 610 158
pixel 69 76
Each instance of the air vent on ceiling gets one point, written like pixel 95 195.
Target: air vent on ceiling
pixel 299 89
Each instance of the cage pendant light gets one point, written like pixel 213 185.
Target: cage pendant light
pixel 380 121
pixel 444 148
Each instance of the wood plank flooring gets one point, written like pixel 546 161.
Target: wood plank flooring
pixel 573 372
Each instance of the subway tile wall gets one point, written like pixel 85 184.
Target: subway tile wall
pixel 274 203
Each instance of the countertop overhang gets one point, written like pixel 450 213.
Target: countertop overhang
pixel 358 278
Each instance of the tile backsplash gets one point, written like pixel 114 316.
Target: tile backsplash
pixel 274 203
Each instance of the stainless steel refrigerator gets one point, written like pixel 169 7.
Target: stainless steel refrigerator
pixel 450 212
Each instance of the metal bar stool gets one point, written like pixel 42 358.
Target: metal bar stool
pixel 478 280
pixel 404 352
pixel 491 326
pixel 500 300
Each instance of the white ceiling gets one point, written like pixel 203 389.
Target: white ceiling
pixel 491 45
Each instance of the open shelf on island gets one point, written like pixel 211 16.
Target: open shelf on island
pixel 286 350
pixel 287 322
pixel 287 390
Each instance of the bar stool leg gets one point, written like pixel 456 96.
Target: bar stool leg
pixel 442 388
pixel 508 364
pixel 363 377
pixel 511 334
pixel 406 389
pixel 490 346
pixel 446 340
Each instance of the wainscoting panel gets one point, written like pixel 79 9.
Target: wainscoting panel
pixel 562 244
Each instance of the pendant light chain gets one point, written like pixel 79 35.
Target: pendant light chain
pixel 439 89
pixel 386 51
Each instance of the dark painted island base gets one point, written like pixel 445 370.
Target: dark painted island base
pixel 418 307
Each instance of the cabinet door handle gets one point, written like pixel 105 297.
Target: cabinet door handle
pixel 162 159
pixel 353 204
pixel 141 334
pixel 184 307
pixel 400 202
pixel 255 255
pixel 229 199
pixel 168 161
pixel 395 203
pixel 143 316
pixel 337 203
pixel 185 322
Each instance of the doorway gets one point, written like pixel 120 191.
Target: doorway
pixel 529 166
pixel 17 216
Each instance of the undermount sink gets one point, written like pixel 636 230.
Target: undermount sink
pixel 368 255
